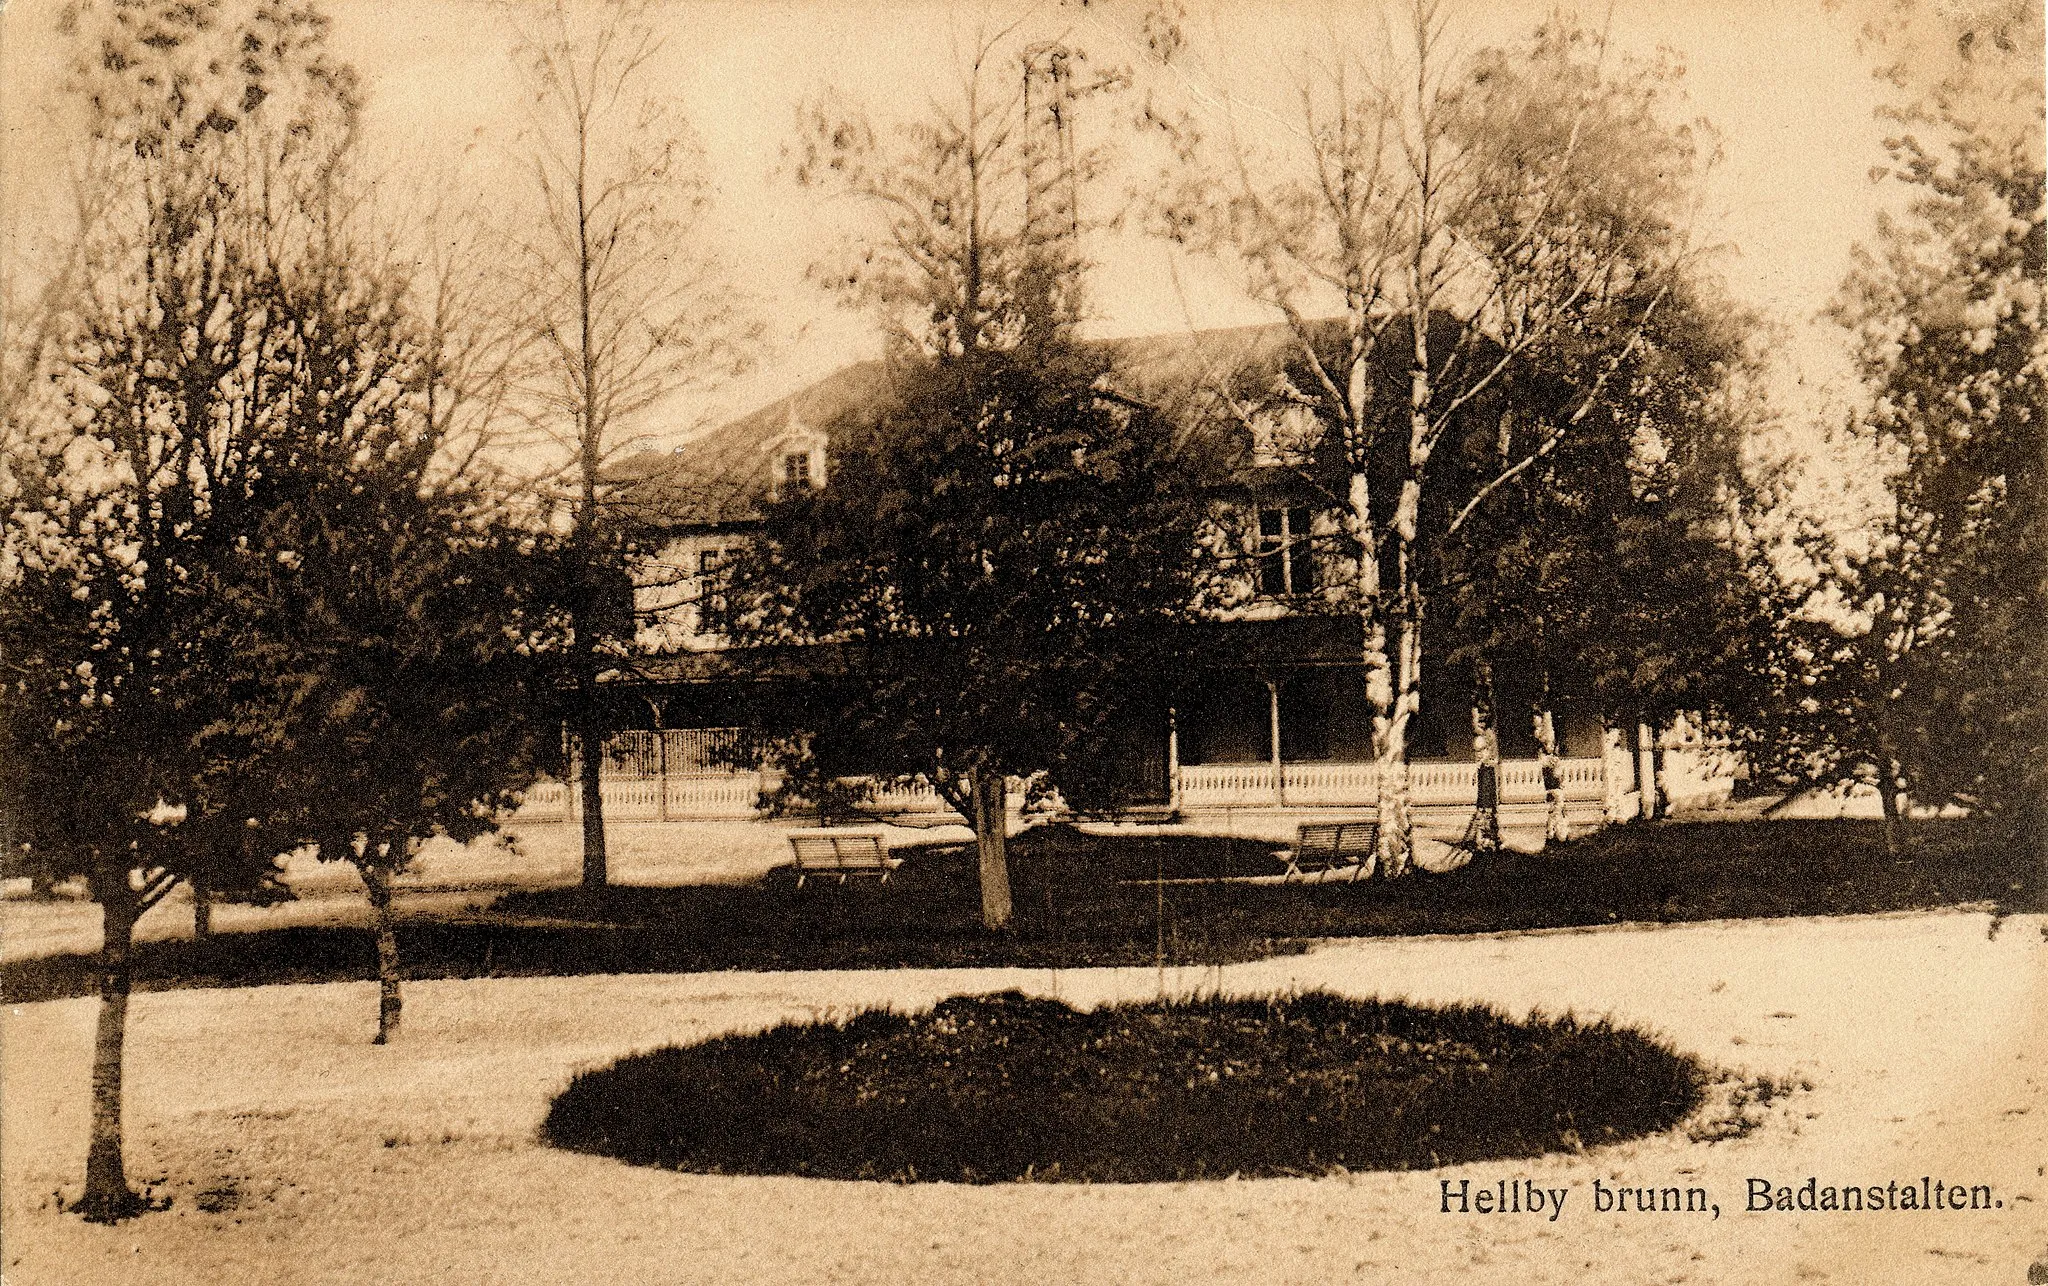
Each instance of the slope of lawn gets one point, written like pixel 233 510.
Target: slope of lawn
pixel 996 1088
pixel 1088 898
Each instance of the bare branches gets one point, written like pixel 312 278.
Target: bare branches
pixel 620 300
pixel 975 205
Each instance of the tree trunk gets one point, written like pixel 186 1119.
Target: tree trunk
pixel 202 908
pixel 108 1198
pixel 991 826
pixel 1612 747
pixel 1397 822
pixel 1556 826
pixel 1389 750
pixel 1888 796
pixel 377 878
pixel 1646 771
pixel 590 778
pixel 1397 818
pixel 1661 776
pixel 1485 828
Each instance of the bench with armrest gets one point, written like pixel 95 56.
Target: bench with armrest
pixel 1332 846
pixel 841 852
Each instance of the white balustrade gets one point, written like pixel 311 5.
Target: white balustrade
pixel 1330 783
pixel 1246 785
pixel 1357 784
pixel 1226 785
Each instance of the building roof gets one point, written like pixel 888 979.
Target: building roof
pixel 721 478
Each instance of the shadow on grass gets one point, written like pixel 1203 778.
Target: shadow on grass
pixel 988 1089
pixel 1073 908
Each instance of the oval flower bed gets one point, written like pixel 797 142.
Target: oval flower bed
pixel 984 1089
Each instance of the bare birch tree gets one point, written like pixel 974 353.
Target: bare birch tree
pixel 627 300
pixel 1453 218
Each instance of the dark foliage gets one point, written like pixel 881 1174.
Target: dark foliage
pixel 1072 909
pixel 1002 551
pixel 988 1089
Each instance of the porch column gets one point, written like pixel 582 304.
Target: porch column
pixel 1172 758
pixel 660 762
pixel 572 753
pixel 1273 722
pixel 1646 771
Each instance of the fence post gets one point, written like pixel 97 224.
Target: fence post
pixel 1172 760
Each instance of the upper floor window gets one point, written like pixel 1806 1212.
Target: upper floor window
pixel 711 573
pixel 796 469
pixel 1286 557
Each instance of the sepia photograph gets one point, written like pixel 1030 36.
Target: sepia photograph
pixel 968 641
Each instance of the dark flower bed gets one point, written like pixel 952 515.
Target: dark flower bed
pixel 986 1089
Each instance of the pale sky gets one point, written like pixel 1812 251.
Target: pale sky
pixel 1783 82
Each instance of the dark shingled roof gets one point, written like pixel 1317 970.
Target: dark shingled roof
pixel 721 478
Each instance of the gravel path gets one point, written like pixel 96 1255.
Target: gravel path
pixel 295 1151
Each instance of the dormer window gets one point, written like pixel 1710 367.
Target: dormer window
pixel 795 459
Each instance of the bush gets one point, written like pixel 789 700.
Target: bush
pixel 986 1089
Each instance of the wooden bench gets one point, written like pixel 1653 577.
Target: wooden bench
pixel 1332 846
pixel 842 853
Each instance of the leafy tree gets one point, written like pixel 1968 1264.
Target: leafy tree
pixel 408 623
pixel 1458 220
pixel 1002 541
pixel 140 468
pixel 1909 652
pixel 999 557
pixel 1615 569
pixel 626 302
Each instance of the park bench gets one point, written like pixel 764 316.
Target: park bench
pixel 1332 846
pixel 841 852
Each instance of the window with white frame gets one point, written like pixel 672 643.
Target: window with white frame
pixel 1285 553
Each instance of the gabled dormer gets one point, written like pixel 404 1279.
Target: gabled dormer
pixel 795 458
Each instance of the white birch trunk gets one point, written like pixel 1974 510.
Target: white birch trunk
pixel 1556 825
pixel 1486 753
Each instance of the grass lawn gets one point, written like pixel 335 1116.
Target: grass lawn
pixel 1005 1087
pixel 1076 905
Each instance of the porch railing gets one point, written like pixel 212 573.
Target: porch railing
pixel 721 794
pixel 1357 785
pixel 635 790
